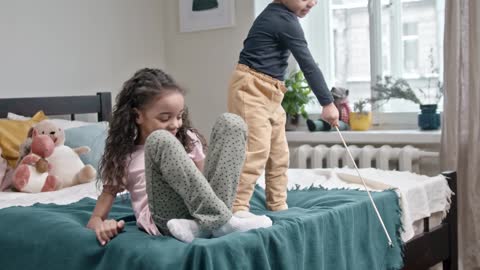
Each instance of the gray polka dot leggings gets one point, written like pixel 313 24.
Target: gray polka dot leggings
pixel 177 189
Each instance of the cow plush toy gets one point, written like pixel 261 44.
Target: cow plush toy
pixel 50 164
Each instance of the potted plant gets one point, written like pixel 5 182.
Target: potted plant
pixel 296 98
pixel 428 99
pixel 428 119
pixel 361 117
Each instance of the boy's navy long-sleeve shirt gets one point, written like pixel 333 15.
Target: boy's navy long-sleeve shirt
pixel 274 34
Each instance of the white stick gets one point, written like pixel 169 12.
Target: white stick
pixel 366 188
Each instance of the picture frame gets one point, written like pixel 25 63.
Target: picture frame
pixel 215 15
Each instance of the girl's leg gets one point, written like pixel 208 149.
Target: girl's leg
pixel 178 192
pixel 176 188
pixel 225 157
pixel 224 164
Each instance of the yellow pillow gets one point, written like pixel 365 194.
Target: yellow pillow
pixel 13 133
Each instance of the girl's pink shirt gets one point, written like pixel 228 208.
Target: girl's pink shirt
pixel 136 184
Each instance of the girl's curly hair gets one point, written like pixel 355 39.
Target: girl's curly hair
pixel 137 92
pixel 183 137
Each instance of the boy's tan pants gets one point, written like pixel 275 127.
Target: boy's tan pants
pixel 257 98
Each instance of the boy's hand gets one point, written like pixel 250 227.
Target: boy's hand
pixel 330 114
pixel 105 229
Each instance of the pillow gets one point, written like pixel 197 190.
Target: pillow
pixel 61 123
pixel 13 116
pixel 93 136
pixel 67 124
pixel 13 133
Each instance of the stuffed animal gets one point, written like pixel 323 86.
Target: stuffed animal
pixel 64 162
pixel 340 99
pixel 33 173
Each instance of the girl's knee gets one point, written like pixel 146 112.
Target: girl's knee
pixel 159 138
pixel 230 121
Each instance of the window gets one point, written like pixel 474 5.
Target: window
pixel 371 38
pixel 404 36
pixel 354 41
pixel 410 48
pixel 350 27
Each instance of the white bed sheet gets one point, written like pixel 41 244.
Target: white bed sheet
pixel 63 196
pixel 420 196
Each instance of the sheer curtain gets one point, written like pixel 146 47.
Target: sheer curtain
pixel 461 120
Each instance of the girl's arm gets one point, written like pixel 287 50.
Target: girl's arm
pixel 104 229
pixel 197 154
pixel 200 164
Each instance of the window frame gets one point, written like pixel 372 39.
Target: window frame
pixel 394 120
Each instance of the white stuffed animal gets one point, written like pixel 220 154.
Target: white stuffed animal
pixel 66 164
pixel 32 174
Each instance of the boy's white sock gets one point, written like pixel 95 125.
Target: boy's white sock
pixel 186 229
pixel 236 224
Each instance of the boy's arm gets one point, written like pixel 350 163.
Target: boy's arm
pixel 293 38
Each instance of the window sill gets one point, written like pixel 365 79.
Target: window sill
pixel 413 137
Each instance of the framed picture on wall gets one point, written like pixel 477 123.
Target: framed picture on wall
pixel 198 15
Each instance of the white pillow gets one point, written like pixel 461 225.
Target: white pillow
pixel 61 123
pixel 12 116
pixel 66 124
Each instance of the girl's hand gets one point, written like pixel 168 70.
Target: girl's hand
pixel 105 229
pixel 330 114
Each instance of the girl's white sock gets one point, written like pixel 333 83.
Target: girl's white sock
pixel 244 214
pixel 186 230
pixel 236 224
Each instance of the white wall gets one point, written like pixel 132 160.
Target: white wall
pixel 259 5
pixel 203 61
pixel 68 47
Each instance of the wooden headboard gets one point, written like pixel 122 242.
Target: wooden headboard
pixel 101 104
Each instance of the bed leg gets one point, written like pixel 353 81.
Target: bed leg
pixel 452 262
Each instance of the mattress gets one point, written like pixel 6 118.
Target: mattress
pixel 322 229
pixel 420 196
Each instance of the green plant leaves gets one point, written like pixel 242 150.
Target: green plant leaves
pixel 297 95
pixel 388 88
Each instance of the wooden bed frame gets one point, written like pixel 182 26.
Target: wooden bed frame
pixel 438 245
pixel 101 104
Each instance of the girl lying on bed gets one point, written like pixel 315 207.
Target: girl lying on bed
pixel 152 152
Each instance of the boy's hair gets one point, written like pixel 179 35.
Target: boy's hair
pixel 137 92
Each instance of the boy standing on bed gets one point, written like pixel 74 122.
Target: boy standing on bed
pixel 256 92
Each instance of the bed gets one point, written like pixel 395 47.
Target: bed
pixel 323 229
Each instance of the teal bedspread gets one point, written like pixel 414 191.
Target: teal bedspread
pixel 325 230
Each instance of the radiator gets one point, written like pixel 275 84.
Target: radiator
pixel 404 158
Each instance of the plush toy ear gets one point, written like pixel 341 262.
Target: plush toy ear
pixel 347 91
pixel 31 132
